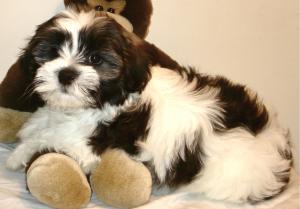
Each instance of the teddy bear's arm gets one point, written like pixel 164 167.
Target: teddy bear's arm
pixel 10 123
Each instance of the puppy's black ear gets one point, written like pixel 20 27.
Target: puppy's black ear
pixel 159 57
pixel 42 46
pixel 28 62
pixel 19 80
pixel 13 90
pixel 16 88
pixel 137 64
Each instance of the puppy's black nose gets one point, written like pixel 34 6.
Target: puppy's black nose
pixel 67 76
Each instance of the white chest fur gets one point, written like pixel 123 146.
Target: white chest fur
pixel 61 131
pixel 59 127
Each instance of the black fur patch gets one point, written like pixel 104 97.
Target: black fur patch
pixel 185 168
pixel 240 109
pixel 286 154
pixel 46 45
pixel 158 57
pixel 123 132
pixel 284 176
pixel 43 46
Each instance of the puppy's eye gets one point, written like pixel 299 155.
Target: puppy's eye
pixel 99 8
pixel 95 59
pixel 111 10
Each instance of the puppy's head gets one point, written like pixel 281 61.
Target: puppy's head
pixel 79 61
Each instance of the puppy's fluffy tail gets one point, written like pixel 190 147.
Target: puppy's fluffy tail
pixel 289 199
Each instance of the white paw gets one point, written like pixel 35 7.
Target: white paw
pixel 89 164
pixel 13 163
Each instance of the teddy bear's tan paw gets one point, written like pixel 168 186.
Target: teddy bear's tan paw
pixel 10 123
pixel 57 180
pixel 120 181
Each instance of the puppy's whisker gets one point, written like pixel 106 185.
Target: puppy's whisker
pixel 84 90
pixel 29 91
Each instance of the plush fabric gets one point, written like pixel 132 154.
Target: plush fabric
pixel 55 177
pixel 10 123
pixel 132 179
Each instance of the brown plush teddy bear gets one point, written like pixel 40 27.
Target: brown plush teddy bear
pixel 138 12
pixel 46 173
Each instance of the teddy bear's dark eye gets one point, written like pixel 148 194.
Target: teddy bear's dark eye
pixel 95 59
pixel 99 8
pixel 111 10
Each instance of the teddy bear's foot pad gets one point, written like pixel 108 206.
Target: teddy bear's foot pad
pixel 120 181
pixel 57 180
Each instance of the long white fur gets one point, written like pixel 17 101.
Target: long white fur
pixel 66 131
pixel 237 164
pixel 176 116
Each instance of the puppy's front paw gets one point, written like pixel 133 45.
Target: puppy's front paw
pixel 13 163
pixel 89 164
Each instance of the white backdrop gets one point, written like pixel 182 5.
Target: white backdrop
pixel 253 42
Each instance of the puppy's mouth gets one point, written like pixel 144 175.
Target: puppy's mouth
pixel 65 97
pixel 66 90
pixel 64 100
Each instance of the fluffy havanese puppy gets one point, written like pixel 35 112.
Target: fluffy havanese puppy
pixel 102 90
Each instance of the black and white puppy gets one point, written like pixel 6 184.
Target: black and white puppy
pixel 102 90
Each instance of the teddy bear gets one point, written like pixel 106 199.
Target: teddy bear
pixel 117 180
pixel 138 12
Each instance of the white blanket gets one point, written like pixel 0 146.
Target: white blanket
pixel 13 195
